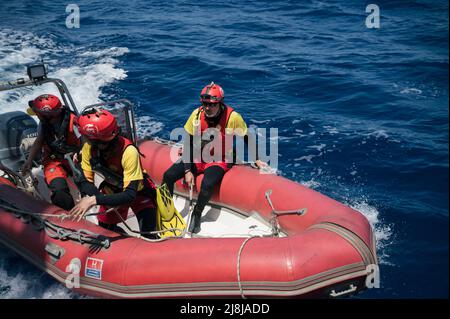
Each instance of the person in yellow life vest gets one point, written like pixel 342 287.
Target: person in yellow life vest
pixel 125 183
pixel 213 113
pixel 57 136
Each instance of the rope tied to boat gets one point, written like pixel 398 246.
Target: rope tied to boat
pixel 56 231
pixel 241 290
pixel 20 211
pixel 140 234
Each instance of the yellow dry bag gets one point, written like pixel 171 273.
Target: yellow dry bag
pixel 167 216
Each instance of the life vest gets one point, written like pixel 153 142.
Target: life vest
pixel 64 140
pixel 221 125
pixel 110 167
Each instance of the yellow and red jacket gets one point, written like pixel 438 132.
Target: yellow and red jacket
pixel 221 126
pixel 110 166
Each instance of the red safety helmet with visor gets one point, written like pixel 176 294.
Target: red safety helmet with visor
pixel 46 105
pixel 212 93
pixel 98 125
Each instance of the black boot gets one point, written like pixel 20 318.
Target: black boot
pixel 194 226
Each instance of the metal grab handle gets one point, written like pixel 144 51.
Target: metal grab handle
pixel 291 212
pixel 267 194
pixel 299 212
pixel 335 294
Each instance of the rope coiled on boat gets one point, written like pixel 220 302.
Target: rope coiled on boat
pixel 55 231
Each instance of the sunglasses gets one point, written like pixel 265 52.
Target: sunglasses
pixel 211 104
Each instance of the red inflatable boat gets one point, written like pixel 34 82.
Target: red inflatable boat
pixel 262 236
pixel 322 251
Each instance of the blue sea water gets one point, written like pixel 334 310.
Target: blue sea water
pixel 362 113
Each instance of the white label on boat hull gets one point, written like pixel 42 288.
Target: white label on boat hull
pixel 93 268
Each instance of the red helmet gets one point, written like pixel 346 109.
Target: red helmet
pixel 46 105
pixel 212 93
pixel 97 124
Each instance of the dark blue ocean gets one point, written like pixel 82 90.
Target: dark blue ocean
pixel 362 113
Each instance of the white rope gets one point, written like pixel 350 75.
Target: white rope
pixel 241 290
pixel 59 231
pixel 139 234
pixel 12 209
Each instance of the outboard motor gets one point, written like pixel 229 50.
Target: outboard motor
pixel 18 132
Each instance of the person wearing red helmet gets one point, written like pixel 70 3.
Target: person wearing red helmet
pixel 126 185
pixel 213 113
pixel 57 136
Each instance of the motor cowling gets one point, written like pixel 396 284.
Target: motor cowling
pixel 18 132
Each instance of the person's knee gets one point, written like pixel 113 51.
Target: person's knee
pixel 147 222
pixel 174 173
pixel 213 176
pixel 168 177
pixel 112 227
pixel 147 217
pixel 60 193
pixel 207 186
pixel 59 184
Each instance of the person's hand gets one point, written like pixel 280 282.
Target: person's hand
pixel 261 164
pixel 75 158
pixel 189 178
pixel 26 167
pixel 80 209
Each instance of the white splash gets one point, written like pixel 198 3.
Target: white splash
pixel 307 158
pixel 106 53
pixel 317 147
pixel 411 91
pixel 147 126
pixel 379 134
pixel 25 282
pixel 85 82
pixel 313 184
pixel 331 130
pixel 383 232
